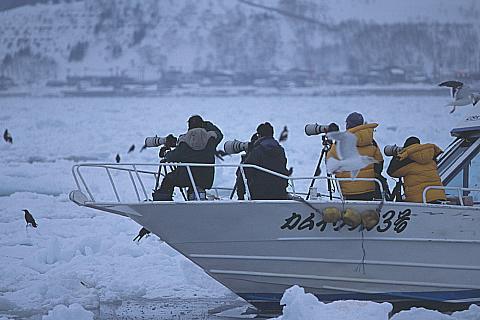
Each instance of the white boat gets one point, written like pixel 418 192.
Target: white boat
pixel 418 253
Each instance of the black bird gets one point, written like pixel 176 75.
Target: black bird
pixel 131 148
pixel 283 135
pixel 143 232
pixel 7 136
pixel 117 158
pixel 29 218
pixel 143 147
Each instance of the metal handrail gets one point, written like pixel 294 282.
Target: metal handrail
pixel 80 181
pixel 458 189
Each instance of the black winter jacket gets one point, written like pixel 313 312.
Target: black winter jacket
pixel 184 153
pixel 269 154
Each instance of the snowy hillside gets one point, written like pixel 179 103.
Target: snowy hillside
pixel 142 38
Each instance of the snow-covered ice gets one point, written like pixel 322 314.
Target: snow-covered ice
pixel 85 257
pixel 299 305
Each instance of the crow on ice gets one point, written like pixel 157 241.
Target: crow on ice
pixel 283 135
pixel 117 158
pixel 7 136
pixel 462 94
pixel 143 232
pixel 29 218
pixel 132 147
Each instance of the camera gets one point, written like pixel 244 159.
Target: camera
pixel 315 128
pixel 235 146
pixel 168 141
pixel 392 150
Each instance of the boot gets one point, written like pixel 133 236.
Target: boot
pixel 159 195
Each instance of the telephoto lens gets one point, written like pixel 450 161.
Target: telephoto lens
pixel 154 141
pixel 235 146
pixel 392 150
pixel 315 128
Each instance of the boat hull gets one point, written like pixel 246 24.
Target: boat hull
pixel 416 252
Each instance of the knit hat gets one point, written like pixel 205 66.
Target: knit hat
pixel 195 122
pixel 265 130
pixel 354 119
pixel 410 141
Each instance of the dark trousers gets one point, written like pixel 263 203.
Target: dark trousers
pixel 176 178
pixel 368 196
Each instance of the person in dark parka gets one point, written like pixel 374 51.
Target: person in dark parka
pixel 267 153
pixel 198 145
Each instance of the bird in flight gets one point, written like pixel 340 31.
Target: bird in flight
pixel 132 147
pixel 348 157
pixel 462 94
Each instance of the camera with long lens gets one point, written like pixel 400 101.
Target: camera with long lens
pixel 392 150
pixel 315 128
pixel 168 141
pixel 235 146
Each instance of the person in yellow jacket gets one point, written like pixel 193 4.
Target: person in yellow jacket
pixel 416 164
pixel 366 146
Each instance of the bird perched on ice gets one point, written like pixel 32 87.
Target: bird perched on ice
pixel 143 232
pixel 283 135
pixel 117 158
pixel 349 158
pixel 132 147
pixel 462 94
pixel 29 218
pixel 7 136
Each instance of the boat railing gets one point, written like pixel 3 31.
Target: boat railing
pixel 462 194
pixel 135 171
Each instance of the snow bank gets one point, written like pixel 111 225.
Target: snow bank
pixel 473 313
pixel 72 312
pixel 299 305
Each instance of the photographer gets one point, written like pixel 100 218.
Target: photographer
pixel 416 163
pixel 197 145
pixel 267 153
pixel 366 146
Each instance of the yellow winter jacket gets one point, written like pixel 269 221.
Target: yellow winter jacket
pixel 366 147
pixel 416 164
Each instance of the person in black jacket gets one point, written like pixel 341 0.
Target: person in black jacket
pixel 198 145
pixel 267 153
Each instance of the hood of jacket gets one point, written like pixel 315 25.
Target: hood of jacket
pixel 364 134
pixel 197 138
pixel 420 153
pixel 270 146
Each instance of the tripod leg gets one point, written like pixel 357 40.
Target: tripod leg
pixel 317 171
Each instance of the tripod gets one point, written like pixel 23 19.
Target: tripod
pixel 327 144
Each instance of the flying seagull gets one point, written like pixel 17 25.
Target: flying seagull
pixel 283 135
pixel 7 136
pixel 132 147
pixel 462 94
pixel 349 158
pixel 143 232
pixel 29 218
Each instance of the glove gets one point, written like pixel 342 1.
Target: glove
pixel 163 151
